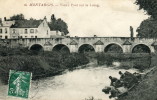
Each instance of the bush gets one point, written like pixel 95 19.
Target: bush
pixel 42 65
pixel 136 60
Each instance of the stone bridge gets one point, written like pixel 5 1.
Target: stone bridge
pixel 79 44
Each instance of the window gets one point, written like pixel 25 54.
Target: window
pixel 6 31
pixel 35 36
pixel 26 31
pixel 32 36
pixel 31 30
pixel 19 37
pixel 25 36
pixel 0 36
pixel 47 32
pixel 0 30
pixel 6 37
pixel 14 31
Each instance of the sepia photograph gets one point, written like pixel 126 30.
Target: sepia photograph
pixel 78 49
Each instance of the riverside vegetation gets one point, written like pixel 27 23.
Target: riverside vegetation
pixel 45 64
pixel 41 64
pixel 146 89
pixel 141 61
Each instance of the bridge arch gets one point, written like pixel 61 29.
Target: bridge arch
pixel 61 48
pixel 113 48
pixel 36 47
pixel 141 48
pixel 86 48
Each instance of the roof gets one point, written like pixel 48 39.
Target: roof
pixel 27 23
pixel 73 42
pixel 99 43
pixel 127 43
pixel 154 44
pixel 7 23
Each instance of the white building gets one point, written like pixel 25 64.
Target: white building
pixel 5 29
pixel 26 29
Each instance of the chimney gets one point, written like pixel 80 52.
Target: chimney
pixel 131 33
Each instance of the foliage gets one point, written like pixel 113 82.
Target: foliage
pixel 58 25
pixel 141 48
pixel 135 60
pixel 113 48
pixel 145 90
pixel 17 17
pixel 150 6
pixel 86 48
pixel 41 64
pixel 148 27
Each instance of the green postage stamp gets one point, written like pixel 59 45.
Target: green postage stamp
pixel 19 83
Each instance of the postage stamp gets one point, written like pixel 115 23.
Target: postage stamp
pixel 19 83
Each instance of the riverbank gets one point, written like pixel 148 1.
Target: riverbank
pixel 140 61
pixel 41 64
pixel 146 89
pixel 81 84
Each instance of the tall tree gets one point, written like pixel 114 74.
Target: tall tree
pixel 62 26
pixel 148 27
pixel 58 25
pixel 53 22
pixel 150 6
pixel 53 18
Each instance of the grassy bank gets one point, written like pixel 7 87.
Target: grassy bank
pixel 134 60
pixel 146 90
pixel 41 64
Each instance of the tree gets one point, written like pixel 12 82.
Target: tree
pixel 62 26
pixel 17 17
pixel 52 23
pixel 148 27
pixel 58 25
pixel 53 18
pixel 150 6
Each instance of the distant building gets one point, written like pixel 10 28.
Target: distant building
pixel 30 29
pixel 26 29
pixel 5 29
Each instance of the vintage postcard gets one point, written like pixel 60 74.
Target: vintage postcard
pixel 78 49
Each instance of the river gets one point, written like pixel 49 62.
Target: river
pixel 80 84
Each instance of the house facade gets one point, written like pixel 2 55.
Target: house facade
pixel 26 29
pixel 5 29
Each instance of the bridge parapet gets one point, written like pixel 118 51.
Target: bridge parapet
pixel 74 43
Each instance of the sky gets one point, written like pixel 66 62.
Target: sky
pixel 104 18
